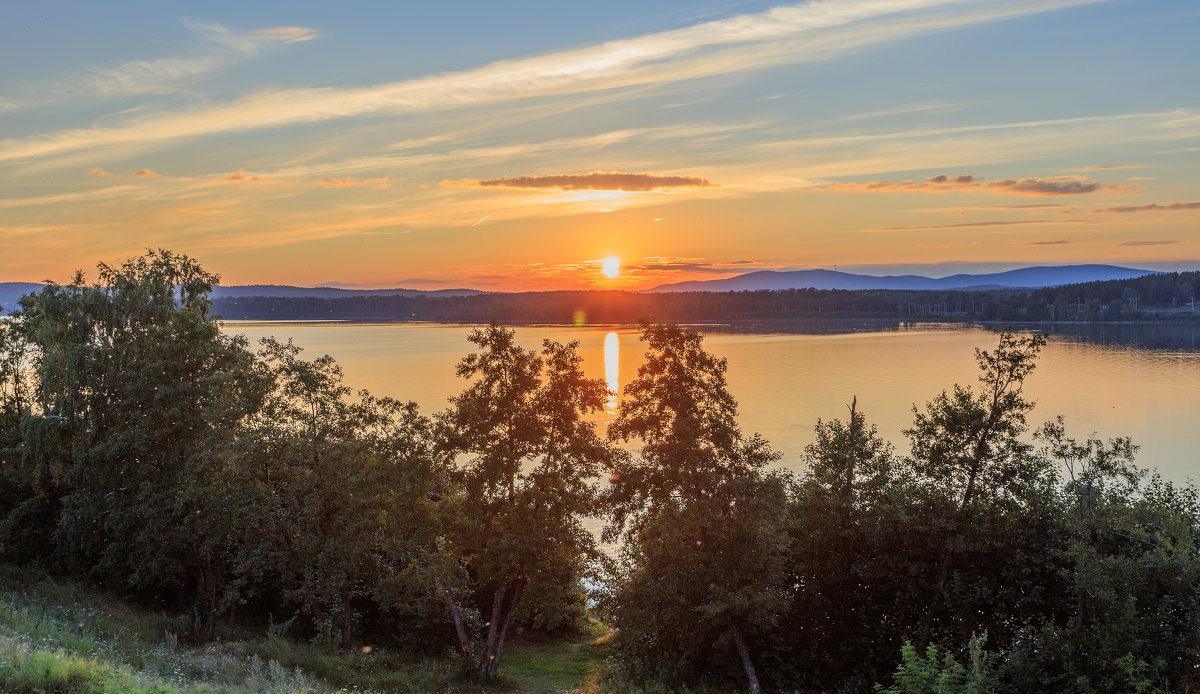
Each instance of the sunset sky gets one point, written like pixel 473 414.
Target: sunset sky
pixel 516 145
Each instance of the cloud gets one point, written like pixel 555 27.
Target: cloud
pixel 379 182
pixel 661 264
pixel 1146 243
pixel 97 171
pixel 1111 167
pixel 146 173
pixel 804 32
pixel 240 175
pixel 284 34
pixel 226 48
pixel 1153 207
pixel 1063 185
pixel 1046 242
pixel 980 225
pixel 596 180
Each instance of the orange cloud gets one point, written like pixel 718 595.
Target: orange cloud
pixel 240 175
pixel 381 182
pixel 981 225
pixel 1046 242
pixel 97 171
pixel 596 180
pixel 145 173
pixel 1152 207
pixel 1146 243
pixel 1064 185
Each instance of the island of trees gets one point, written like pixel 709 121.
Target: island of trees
pixel 145 452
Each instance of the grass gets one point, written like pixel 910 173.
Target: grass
pixel 60 638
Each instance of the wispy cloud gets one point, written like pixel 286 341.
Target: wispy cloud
pixel 1146 243
pixel 1152 207
pixel 660 265
pixel 981 225
pixel 226 47
pixel 1063 185
pixel 1031 206
pixel 1047 242
pixel 1111 167
pixel 219 48
pixel 376 182
pixel 805 32
pixel 97 171
pixel 284 34
pixel 240 175
pixel 596 180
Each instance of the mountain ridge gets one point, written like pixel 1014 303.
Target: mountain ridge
pixel 1028 277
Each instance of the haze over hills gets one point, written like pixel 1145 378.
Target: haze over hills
pixel 1030 277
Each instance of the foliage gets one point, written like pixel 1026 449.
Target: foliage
pixel 932 673
pixel 704 548
pixel 530 460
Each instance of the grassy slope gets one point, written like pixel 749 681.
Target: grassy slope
pixel 59 637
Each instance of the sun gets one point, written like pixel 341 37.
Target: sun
pixel 611 267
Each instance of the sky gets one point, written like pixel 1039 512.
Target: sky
pixel 516 146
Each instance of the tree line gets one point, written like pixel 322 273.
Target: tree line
pixel 144 450
pixel 1164 295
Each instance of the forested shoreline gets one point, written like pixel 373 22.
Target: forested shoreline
pixel 1165 296
pixel 144 451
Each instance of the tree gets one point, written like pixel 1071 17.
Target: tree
pixel 16 484
pixel 705 542
pixel 134 380
pixel 529 461
pixel 967 442
pixel 680 408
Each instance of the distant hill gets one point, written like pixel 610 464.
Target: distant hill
pixel 235 291
pixel 11 292
pixel 1030 277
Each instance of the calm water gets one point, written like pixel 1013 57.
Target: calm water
pixel 1136 381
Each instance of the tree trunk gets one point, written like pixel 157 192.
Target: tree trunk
pixel 494 663
pixel 464 643
pixel 747 665
pixel 502 616
pixel 493 625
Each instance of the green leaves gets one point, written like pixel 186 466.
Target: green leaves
pixel 529 460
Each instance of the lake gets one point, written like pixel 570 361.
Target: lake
pixel 1140 381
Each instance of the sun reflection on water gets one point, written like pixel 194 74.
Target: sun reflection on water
pixel 612 370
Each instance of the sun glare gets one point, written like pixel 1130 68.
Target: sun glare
pixel 610 267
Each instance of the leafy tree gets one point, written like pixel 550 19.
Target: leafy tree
pixel 529 459
pixel 16 382
pixel 134 380
pixel 705 544
pixel 966 443
pixel 339 500
pixel 680 408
